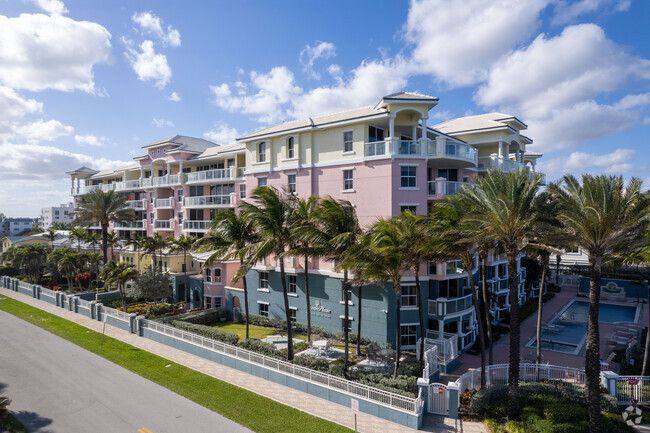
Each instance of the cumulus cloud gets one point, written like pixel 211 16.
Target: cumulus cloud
pixel 149 65
pixel 90 140
pixel 566 12
pixel 619 161
pixel 322 50
pixel 174 97
pixel 51 52
pixel 458 41
pixel 222 134
pixel 153 25
pixel 51 6
pixel 162 122
pixel 42 130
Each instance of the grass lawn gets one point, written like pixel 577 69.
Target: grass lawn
pixel 258 332
pixel 255 412
pixel 11 425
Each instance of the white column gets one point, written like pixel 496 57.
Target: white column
pixel 72 181
pixel 141 172
pixel 180 166
pixel 500 151
pixel 391 126
pixel 533 166
pixel 424 141
pixel 517 155
pixel 414 133
pixel 507 151
pixel 168 168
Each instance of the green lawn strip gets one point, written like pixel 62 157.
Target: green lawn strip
pixel 10 424
pixel 244 407
pixel 254 331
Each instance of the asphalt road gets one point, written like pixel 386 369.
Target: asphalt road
pixel 58 387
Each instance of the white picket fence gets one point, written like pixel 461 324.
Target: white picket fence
pixel 498 375
pixel 430 362
pixel 633 389
pixel 395 401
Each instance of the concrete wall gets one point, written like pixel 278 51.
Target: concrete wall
pixel 631 289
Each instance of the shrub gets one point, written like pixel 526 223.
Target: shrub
pixel 8 271
pixel 205 317
pixel 259 346
pixel 410 366
pixel 466 397
pixel 613 423
pixel 493 427
pixel 312 362
pixel 206 331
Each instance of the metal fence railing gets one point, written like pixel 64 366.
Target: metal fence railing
pixel 48 292
pixel 395 401
pixel 498 375
pixel 120 315
pixel 631 389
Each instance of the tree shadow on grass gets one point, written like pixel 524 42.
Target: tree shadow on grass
pixel 33 422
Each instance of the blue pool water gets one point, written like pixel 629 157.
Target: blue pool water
pixel 567 330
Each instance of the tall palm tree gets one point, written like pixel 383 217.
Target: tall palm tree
pixel 113 242
pixel 102 208
pixel 182 244
pixel 230 237
pixel 51 234
pixel 270 214
pixel 502 205
pixel 153 245
pixel 77 235
pixel 119 273
pixel 65 263
pixel 603 216
pixel 339 236
pixel 32 259
pixel 304 231
pixel 136 241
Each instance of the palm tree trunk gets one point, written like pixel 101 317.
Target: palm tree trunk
pixel 307 300
pixel 346 324
pixel 592 353
pixel 486 301
pixel 105 241
pixel 241 263
pixel 539 309
pixel 418 293
pixel 398 319
pixel 123 296
pixel 513 373
pixel 479 319
pixel 646 353
pixel 359 321
pixel 286 309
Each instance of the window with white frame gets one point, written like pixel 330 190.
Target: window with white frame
pixel 180 195
pixel 408 335
pixel 291 179
pixel 348 141
pixel 261 181
pixel 208 302
pixel 409 208
pixel 208 275
pixel 264 280
pixel 375 134
pixel 432 268
pixel 290 148
pixel 292 314
pixel 293 286
pixel 408 179
pixel 348 180
pixel 217 275
pixel 409 296
pixel 217 302
pixel 263 309
pixel 261 151
pixel 346 322
pixel 242 191
pixel 349 295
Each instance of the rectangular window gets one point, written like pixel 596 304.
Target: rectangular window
pixel 230 163
pixel 454 267
pixel 448 288
pixel 409 208
pixel 261 181
pixel 290 147
pixel 208 275
pixel 261 152
pixel 349 296
pixel 242 191
pixel 375 134
pixel 292 314
pixel 348 181
pixel 264 280
pixel 433 268
pixel 348 141
pixel 293 286
pixel 503 270
pixel 180 195
pixel 217 302
pixel 408 177
pixel 409 297
pixel 151 217
pixel 56 212
pixel 292 183
pixel 451 174
pixel 264 310
pixel 409 335
pixel 208 302
pixel 180 217
pixel 343 324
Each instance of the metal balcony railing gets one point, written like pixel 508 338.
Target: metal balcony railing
pixel 163 224
pixel 207 201
pixel 163 203
pixel 443 307
pixel 208 175
pixel 196 226
pixel 375 148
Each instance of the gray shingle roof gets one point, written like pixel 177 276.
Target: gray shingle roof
pixel 471 123
pixel 411 95
pixel 183 142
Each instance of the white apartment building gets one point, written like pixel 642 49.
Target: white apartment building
pixel 60 214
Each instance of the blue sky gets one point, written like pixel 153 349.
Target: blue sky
pixel 89 82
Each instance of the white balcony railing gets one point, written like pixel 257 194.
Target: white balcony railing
pixel 459 150
pixel 443 307
pixel 163 224
pixel 135 225
pixel 445 187
pixel 375 148
pixel 208 201
pixel 172 179
pixel 406 147
pixel 196 226
pixel 164 203
pixel 136 204
pixel 127 185
pixel 241 172
pixel 108 187
pixel 495 163
pixel 208 175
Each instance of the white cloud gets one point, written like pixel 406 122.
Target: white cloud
pixel 90 140
pixel 54 7
pixel 153 25
pixel 174 97
pixel 162 122
pixel 566 12
pixel 553 84
pixel 148 65
pixel 323 50
pixel 619 161
pixel 12 105
pixel 458 41
pixel 51 52
pixel 222 134
pixel 42 131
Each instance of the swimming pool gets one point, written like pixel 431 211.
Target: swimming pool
pixel 567 331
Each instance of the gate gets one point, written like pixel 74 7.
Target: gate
pixel 438 399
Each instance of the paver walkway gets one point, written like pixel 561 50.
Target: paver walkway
pixel 289 396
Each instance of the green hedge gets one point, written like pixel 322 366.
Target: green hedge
pixel 261 347
pixel 312 362
pixel 205 317
pixel 8 271
pixel 206 331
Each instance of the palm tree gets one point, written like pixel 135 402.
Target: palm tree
pixel 230 237
pixel 32 258
pixel 120 274
pixel 50 234
pixel 502 204
pixel 151 246
pixel 102 208
pixel 304 231
pixel 78 235
pixel 604 217
pixel 183 244
pixel 113 242
pixel 136 241
pixel 270 214
pixel 339 236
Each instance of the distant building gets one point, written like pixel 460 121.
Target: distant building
pixel 15 226
pixel 59 214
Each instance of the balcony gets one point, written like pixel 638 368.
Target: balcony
pixel 196 226
pixel 135 225
pixel 163 224
pixel 127 185
pixel 136 204
pixel 210 175
pixel 375 148
pixel 241 172
pixel 495 163
pixel 207 201
pixel 444 188
pixel 172 179
pixel 164 203
pixel 459 151
pixel 108 187
pixel 444 307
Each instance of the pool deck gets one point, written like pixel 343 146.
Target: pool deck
pixel 501 348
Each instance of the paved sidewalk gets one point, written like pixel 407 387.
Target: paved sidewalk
pixel 289 396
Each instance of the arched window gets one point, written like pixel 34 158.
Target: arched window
pixel 208 275
pixel 290 148
pixel 261 152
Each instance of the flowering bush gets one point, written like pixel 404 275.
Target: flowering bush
pixel 83 278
